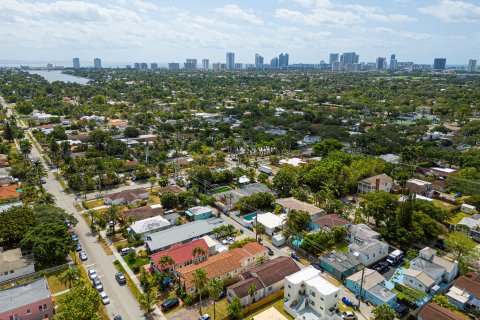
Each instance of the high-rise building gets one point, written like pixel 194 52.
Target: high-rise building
pixel 349 58
pixel 337 66
pixel 76 63
pixel 381 63
pixel 333 58
pixel 190 64
pixel 472 65
pixel 393 62
pixel 153 66
pixel 274 62
pixel 283 60
pixel 97 63
pixel 439 63
pixel 174 66
pixel 205 64
pixel 258 60
pixel 238 66
pixel 230 60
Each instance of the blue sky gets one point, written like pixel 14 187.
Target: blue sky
pixel 166 30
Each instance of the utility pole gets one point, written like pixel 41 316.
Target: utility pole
pixel 361 288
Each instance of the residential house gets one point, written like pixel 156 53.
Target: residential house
pixel 27 301
pixel 339 264
pixel 359 233
pixel 13 264
pixel 427 271
pixel 368 252
pixel 7 206
pixel 289 204
pixel 132 196
pixel 295 162
pixel 272 222
pixel 164 239
pixel 227 200
pixel 328 222
pixel 182 254
pixel 250 253
pixel 309 140
pixel 373 288
pixel 142 213
pixel 4 163
pixel 148 226
pixel 471 226
pixel 417 186
pixel 268 278
pixel 173 189
pixel 9 193
pixel 309 296
pixel 219 266
pixel 432 311
pixel 199 213
pixel 465 292
pixel 378 182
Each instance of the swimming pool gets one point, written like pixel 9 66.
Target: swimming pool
pixel 249 217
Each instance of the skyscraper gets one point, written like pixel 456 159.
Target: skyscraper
pixel 283 60
pixel 190 64
pixel 97 63
pixel 154 66
pixel 230 60
pixel 393 62
pixel 205 64
pixel 381 63
pixel 76 63
pixel 274 62
pixel 174 66
pixel 439 63
pixel 333 58
pixel 349 58
pixel 258 60
pixel 472 65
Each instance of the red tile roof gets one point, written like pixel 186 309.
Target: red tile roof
pixel 181 253
pixel 9 192
pixel 433 311
pixel 470 283
pixel 330 221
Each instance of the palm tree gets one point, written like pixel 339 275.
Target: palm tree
pixel 91 213
pixel 235 309
pixel 252 291
pixel 38 172
pixel 69 276
pixel 152 181
pixel 259 230
pixel 55 149
pixel 198 252
pixel 215 289
pixel 44 197
pixel 113 215
pixel 146 301
pixel 297 220
pixel 165 261
pixel 199 278
pixel 25 148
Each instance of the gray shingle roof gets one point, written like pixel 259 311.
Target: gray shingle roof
pixel 23 294
pixel 13 260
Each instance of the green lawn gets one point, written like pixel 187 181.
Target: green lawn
pixel 220 189
pixel 443 205
pixel 456 218
pixel 54 283
pixel 136 262
pixel 341 246
pixel 94 203
pixel 220 307
pixel 277 304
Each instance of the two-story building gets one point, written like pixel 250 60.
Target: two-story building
pixel 13 264
pixel 373 288
pixel 309 296
pixel 289 204
pixel 368 252
pixel 379 182
pixel 465 292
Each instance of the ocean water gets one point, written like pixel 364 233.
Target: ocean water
pixel 57 75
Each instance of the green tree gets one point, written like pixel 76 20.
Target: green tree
pixel 50 243
pixel 25 148
pixel 286 180
pixel 215 289
pixel 443 301
pixel 198 252
pixel 199 278
pixel 463 248
pixel 259 230
pixel 325 147
pixel 69 276
pixel 16 222
pixel 80 303
pixel 146 302
pixel 113 214
pixel 384 312
pixel 235 309
pixel 131 132
pixel 166 261
pixel 169 200
pixel 252 291
pixel 379 205
pixel 152 181
pixel 296 221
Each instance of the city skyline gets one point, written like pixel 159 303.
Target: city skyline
pixel 309 30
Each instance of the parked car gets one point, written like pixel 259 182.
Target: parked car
pixel 381 266
pixel 79 247
pixel 83 256
pixel 117 318
pixel 204 317
pixel 97 284
pixel 105 298
pixel 120 278
pixel 92 273
pixel 316 265
pixel 74 236
pixel 170 304
pixel 270 251
pixel 401 310
pixel 349 315
pixel 43 180
pixel 125 251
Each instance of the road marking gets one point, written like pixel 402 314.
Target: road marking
pixel 89 265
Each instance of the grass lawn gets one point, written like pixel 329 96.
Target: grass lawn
pixel 456 218
pixel 221 308
pixel 94 203
pixel 443 205
pixel 277 304
pixel 154 200
pixel 220 189
pixel 54 283
pixel 136 262
pixel 341 246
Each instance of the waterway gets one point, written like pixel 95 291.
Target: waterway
pixel 57 75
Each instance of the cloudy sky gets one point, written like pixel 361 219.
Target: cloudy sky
pixel 168 30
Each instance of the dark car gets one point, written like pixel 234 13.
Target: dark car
pixel 170 304
pixel 316 265
pixel 117 318
pixel 79 247
pixel 270 251
pixel 401 310
pixel 120 278
pixel 381 266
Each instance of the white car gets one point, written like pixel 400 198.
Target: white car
pixel 105 298
pixel 92 273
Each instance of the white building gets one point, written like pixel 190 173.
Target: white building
pixel 149 225
pixel 378 182
pixel 271 222
pixel 309 296
pixel 13 264
pixel 368 252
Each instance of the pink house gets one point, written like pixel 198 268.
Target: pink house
pixel 28 301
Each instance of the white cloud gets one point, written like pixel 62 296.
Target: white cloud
pixel 376 14
pixel 235 12
pixel 452 11
pixel 401 34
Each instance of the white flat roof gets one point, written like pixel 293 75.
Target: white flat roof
pixel 322 285
pixel 303 275
pixel 270 220
pixel 446 170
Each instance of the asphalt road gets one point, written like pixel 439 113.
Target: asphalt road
pixel 122 301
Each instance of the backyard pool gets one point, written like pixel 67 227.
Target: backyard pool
pixel 249 217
